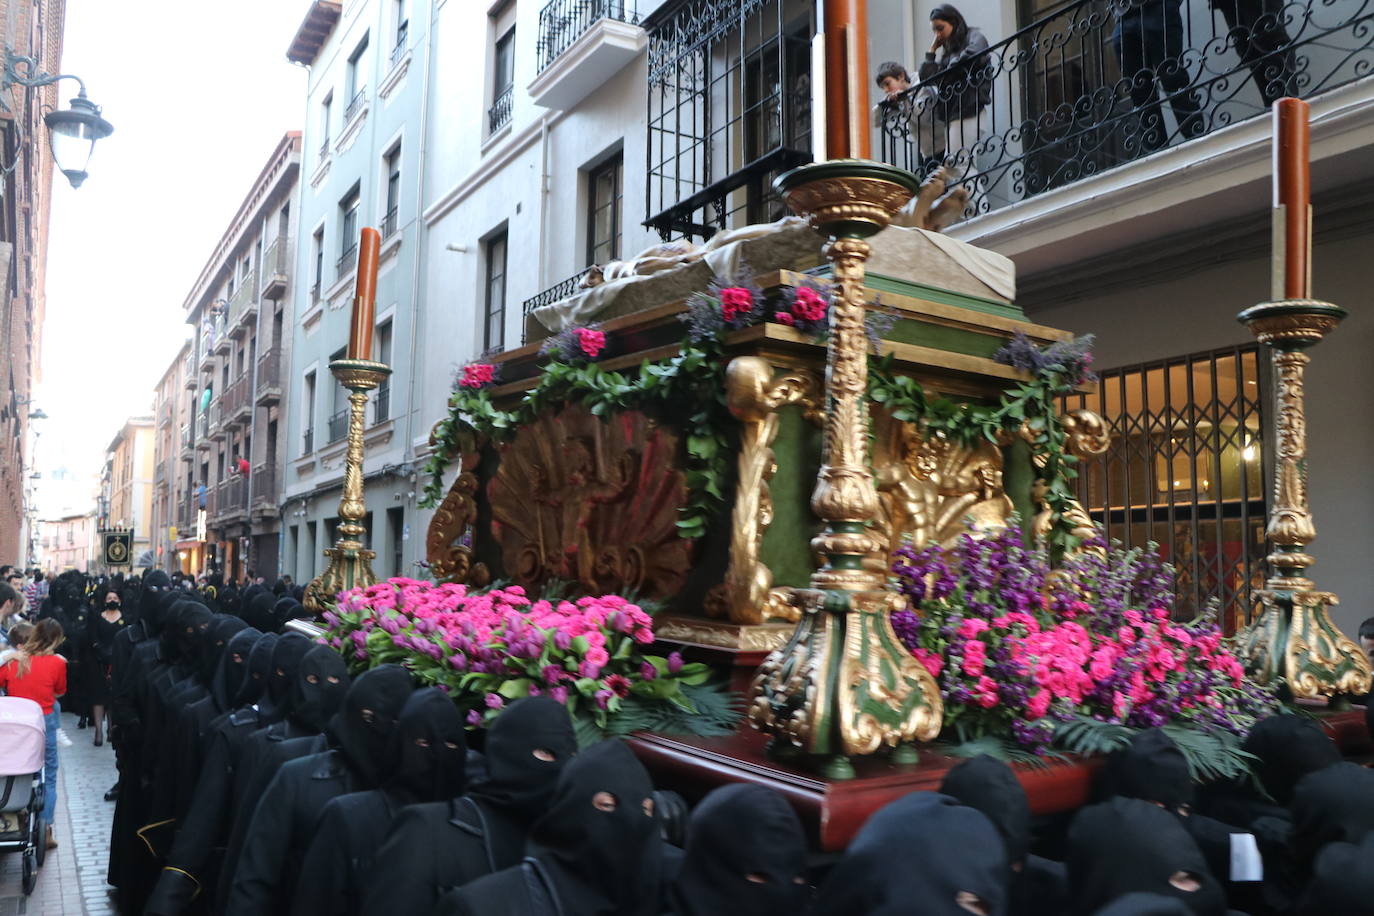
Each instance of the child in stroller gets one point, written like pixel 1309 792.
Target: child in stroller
pixel 21 784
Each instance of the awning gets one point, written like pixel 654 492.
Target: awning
pixel 188 544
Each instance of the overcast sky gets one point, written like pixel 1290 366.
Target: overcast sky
pixel 199 94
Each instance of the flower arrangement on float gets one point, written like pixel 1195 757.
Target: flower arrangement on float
pixel 486 648
pixel 1034 661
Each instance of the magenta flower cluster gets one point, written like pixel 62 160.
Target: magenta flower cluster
pixel 487 648
pixel 1017 650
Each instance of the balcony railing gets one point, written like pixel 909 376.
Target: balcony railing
pixel 562 22
pixel 231 496
pixel 355 104
pixel 276 267
pixel 389 223
pixel 381 403
pixel 1103 82
pixel 324 149
pixel 399 51
pixel 315 292
pixel 264 483
pixel 269 375
pixel 338 426
pixel 344 266
pixel 498 115
pixel 556 293
pixel 308 441
pixel 202 426
pixel 186 435
pixel 244 298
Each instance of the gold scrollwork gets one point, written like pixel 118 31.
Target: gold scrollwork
pixel 754 396
pixel 448 542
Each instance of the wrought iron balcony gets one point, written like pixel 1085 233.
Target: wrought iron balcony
pixel 1101 83
pixel 269 378
pixel 308 441
pixel 238 409
pixel 264 485
pixel 389 223
pixel 355 105
pixel 338 426
pixel 347 261
pixel 315 292
pixel 499 114
pixel 399 51
pixel 276 268
pixel 381 403
pixel 556 293
pixel 243 305
pixel 324 149
pixel 562 22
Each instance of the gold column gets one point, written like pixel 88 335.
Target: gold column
pixel 350 564
pixel 843 684
pixel 1294 643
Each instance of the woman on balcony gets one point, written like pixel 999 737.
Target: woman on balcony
pixel 957 88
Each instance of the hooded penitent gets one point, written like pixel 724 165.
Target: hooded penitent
pixel 1125 846
pixel 1342 881
pixel 924 847
pixel 1288 747
pixel 286 659
pixel 1145 905
pixel 431 747
pixel 284 609
pixel 363 730
pixel 1333 805
pixel 233 668
pixel 988 785
pixel 1151 767
pixel 214 642
pixel 598 844
pixel 746 855
pixel 321 683
pixel 257 610
pixel 254 683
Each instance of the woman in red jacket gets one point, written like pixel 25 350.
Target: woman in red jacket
pixel 38 673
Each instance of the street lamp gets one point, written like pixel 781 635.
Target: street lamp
pixel 72 132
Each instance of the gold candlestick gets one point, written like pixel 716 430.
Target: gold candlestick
pixel 843 684
pixel 1294 643
pixel 350 564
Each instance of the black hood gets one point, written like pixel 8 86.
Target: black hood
pixel 1288 747
pixel 431 748
pixel 1145 905
pixel 364 730
pixel 602 861
pixel 233 668
pixel 1127 845
pixel 1333 805
pixel 924 847
pixel 213 643
pixel 1151 767
pixel 259 669
pixel 518 780
pixel 746 856
pixel 284 609
pixel 321 682
pixel 1342 881
pixel 257 610
pixel 988 785
pixel 286 661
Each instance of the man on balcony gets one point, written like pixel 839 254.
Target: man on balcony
pixel 1148 41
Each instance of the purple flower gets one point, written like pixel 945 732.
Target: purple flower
pixel 474 718
pixel 559 693
pixel 648 671
pixel 603 697
pixel 494 701
pixel 674 662
pixel 588 670
pixel 458 661
pixel 562 640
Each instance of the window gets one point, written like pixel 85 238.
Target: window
pixel 1185 469
pixel 326 107
pixel 317 245
pixel 338 419
pixel 395 524
pixel 393 191
pixel 502 77
pixel 400 28
pixel 603 211
pixel 348 230
pixel 308 421
pixel 381 402
pixel 493 334
pixel 357 79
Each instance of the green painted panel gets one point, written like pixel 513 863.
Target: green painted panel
pixel 942 296
pixel 942 337
pixel 786 547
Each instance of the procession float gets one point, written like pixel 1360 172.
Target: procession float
pixel 796 506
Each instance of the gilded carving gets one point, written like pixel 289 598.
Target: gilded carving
pixel 448 543
pixel 594 502
pixel 754 397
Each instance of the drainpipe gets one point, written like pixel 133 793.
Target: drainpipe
pixel 543 209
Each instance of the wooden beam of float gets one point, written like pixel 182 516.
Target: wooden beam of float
pixel 1293 643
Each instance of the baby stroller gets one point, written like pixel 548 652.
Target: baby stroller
pixel 21 784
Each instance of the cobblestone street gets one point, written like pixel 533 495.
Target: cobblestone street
pixel 72 880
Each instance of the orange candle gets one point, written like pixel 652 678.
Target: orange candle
pixel 846 79
pixel 1292 201
pixel 365 296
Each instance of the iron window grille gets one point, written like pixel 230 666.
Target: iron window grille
pixel 499 114
pixel 1186 469
pixel 308 441
pixel 399 51
pixel 729 110
pixel 338 425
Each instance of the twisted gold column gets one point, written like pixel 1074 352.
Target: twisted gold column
pixel 350 564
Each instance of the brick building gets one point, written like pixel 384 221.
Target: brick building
pixel 32 28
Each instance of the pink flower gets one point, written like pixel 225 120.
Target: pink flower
pixel 588 670
pixel 599 657
pixel 603 698
pixel 559 694
pixel 784 318
pixel 809 305
pixel 972 627
pixel 591 342
pixel 735 301
pixel 929 660
pixel 474 718
pixel 620 684
pixel 477 375
pixel 1039 704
